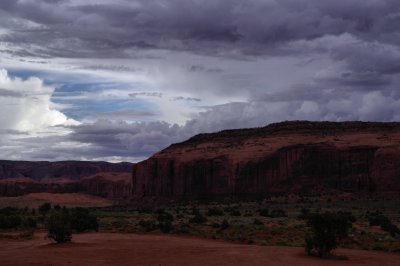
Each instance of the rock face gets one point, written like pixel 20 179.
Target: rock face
pixel 294 156
pixel 20 186
pixel 107 185
pixel 63 169
pixel 98 178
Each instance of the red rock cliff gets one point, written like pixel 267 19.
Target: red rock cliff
pixel 111 180
pixel 289 156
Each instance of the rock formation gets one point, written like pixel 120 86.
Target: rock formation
pixel 294 156
pixel 107 185
pixel 62 169
pixel 97 178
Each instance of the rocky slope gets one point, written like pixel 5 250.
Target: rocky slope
pixel 97 178
pixel 297 156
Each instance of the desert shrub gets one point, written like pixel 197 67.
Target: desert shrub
pixel 145 209
pixel 120 224
pixel 44 208
pixel 28 223
pixel 215 225
pixel 9 221
pixel 273 214
pixel 198 219
pixel 235 213
pixel 304 214
pixel 59 227
pixel 327 229
pixel 264 212
pixel 7 211
pixel 165 220
pixel 195 211
pixel 277 213
pixel 214 212
pixel 258 222
pixel 377 218
pixel 165 226
pixel 225 224
pixel 165 216
pixel 148 225
pixel 82 220
pixel 248 214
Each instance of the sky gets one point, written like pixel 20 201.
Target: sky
pixel 119 80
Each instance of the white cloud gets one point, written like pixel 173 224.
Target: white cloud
pixel 27 106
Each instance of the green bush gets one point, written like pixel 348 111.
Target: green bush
pixel 235 213
pixel 304 214
pixel 44 208
pixel 264 212
pixel 198 219
pixel 59 227
pixel 327 230
pixel 214 212
pixel 82 220
pixel 148 225
pixel 377 218
pixel 165 220
pixel 277 213
pixel 28 223
pixel 225 225
pixel 258 222
pixel 165 216
pixel 8 211
pixel 9 221
pixel 165 226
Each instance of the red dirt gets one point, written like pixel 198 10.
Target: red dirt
pixel 129 249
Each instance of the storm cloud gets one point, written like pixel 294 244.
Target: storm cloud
pixel 174 68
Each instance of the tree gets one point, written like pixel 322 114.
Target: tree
pixel 59 227
pixel 327 230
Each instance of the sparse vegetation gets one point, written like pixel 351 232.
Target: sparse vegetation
pixel 59 227
pixel 276 220
pixel 377 218
pixel 44 208
pixel 327 229
pixel 82 220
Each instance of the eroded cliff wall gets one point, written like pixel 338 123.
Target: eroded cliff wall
pixel 290 156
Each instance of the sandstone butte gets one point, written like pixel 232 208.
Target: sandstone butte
pixel 298 156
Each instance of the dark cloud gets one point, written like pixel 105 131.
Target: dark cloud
pixel 267 61
pixel 217 27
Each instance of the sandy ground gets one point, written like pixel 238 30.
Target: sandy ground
pixel 165 250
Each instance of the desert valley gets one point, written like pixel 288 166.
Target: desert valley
pixel 200 132
pixel 239 196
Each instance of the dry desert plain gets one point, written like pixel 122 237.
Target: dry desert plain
pixel 133 249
